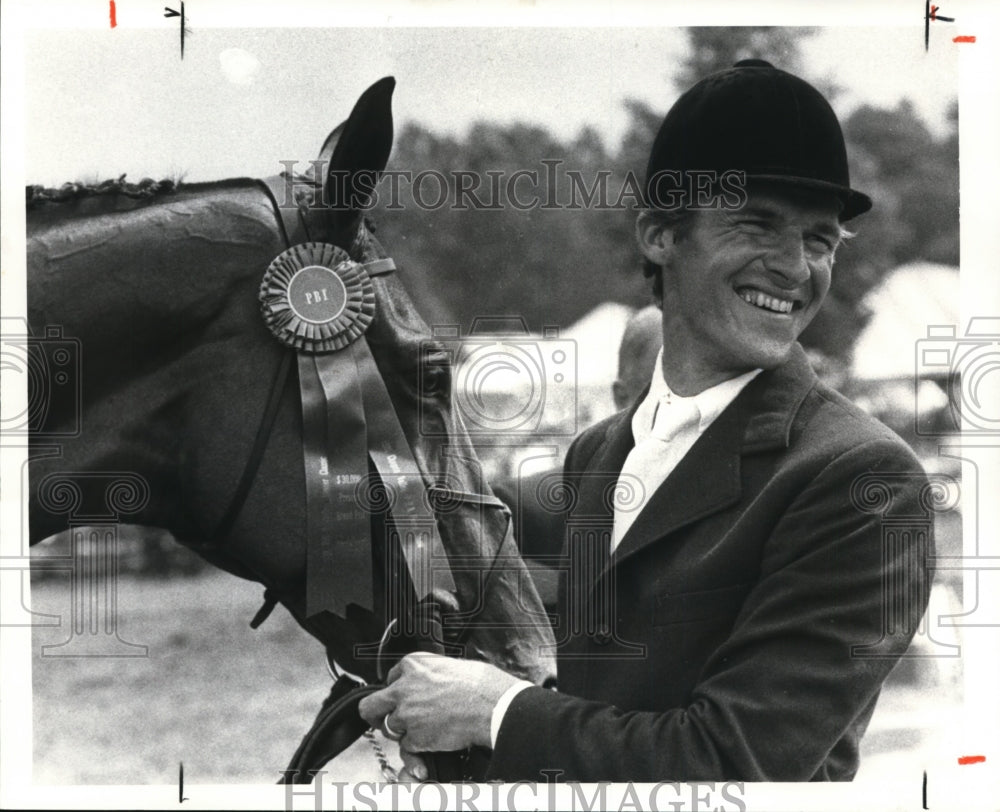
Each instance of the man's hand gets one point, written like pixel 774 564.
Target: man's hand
pixel 438 703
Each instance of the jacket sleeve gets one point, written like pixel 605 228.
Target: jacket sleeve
pixel 836 603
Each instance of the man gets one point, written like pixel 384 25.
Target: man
pixel 744 610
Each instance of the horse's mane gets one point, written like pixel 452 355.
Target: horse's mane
pixel 146 188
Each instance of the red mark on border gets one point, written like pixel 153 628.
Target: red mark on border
pixel 963 39
pixel 113 14
pixel 971 759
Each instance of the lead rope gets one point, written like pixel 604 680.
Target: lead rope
pixel 388 771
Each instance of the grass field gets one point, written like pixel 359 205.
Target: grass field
pixel 229 702
pixel 232 703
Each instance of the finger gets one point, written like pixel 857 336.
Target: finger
pixel 414 764
pixel 374 707
pixel 404 666
pixel 395 672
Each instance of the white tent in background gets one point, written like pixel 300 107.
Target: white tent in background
pixel 597 336
pixel 889 379
pixel 909 300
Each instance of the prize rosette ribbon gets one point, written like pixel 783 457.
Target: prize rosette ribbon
pixel 316 299
pixel 319 302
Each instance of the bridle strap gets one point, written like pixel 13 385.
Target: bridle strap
pixel 225 526
pixel 291 219
pixel 292 227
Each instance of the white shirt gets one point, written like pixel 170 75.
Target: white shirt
pixel 664 428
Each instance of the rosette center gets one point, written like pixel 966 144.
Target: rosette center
pixel 315 299
pixel 317 294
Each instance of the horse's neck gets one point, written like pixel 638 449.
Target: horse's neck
pixel 154 276
pixel 161 298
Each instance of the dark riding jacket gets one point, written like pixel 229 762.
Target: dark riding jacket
pixel 743 628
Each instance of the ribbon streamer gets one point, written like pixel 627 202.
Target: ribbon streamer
pixel 412 516
pixel 320 302
pixel 334 439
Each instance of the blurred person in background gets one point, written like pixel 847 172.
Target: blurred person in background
pixel 732 613
pixel 637 353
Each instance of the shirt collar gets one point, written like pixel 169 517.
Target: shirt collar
pixel 710 403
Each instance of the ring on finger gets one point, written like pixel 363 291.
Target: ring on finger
pixel 390 733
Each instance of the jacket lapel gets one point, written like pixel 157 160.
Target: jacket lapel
pixel 707 479
pixel 602 472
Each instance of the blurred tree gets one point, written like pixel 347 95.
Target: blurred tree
pixel 919 171
pixel 912 178
pixel 525 245
pixel 716 48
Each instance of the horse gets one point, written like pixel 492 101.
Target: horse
pixel 186 416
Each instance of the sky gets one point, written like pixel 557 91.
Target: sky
pixel 102 101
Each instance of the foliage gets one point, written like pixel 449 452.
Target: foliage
pixel 484 253
pixel 912 178
pixel 719 47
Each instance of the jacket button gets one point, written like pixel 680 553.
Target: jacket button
pixel 603 635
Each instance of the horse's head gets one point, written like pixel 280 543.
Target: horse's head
pixel 330 202
pixel 417 373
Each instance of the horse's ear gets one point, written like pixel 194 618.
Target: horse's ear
pixel 326 152
pixel 356 152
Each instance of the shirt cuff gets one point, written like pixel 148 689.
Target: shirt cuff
pixel 501 708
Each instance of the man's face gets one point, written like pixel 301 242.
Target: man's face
pixel 741 286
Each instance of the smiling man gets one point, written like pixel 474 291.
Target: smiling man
pixel 733 612
pixel 738 287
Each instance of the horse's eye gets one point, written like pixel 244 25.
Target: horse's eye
pixel 435 380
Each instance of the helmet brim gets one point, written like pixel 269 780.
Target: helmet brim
pixel 853 202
